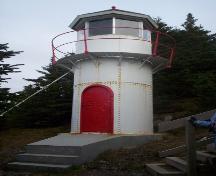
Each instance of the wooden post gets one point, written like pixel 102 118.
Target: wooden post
pixel 191 148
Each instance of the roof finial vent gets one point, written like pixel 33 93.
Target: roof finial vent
pixel 113 7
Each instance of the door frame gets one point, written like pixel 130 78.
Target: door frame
pixel 111 104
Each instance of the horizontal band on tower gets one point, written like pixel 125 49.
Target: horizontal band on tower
pixel 115 83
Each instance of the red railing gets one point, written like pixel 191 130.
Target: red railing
pixel 163 45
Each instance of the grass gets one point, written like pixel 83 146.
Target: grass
pixel 13 141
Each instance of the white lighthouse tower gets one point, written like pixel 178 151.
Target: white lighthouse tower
pixel 116 54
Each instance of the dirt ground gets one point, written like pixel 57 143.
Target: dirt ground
pixel 125 161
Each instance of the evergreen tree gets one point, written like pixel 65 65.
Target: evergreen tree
pixel 190 23
pixel 192 79
pixel 6 98
pixel 51 107
pixel 5 69
pixel 162 26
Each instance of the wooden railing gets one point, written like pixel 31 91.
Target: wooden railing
pixel 178 123
pixel 191 143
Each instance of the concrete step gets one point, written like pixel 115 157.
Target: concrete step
pixel 177 162
pixel 48 158
pixel 160 169
pixel 211 148
pixel 55 150
pixel 206 157
pixel 37 166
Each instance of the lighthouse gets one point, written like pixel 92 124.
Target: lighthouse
pixel 116 54
pixel 113 57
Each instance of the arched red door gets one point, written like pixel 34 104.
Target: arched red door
pixel 97 109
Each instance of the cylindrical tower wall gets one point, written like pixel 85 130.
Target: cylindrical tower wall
pixel 131 83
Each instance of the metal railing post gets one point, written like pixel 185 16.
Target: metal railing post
pixel 170 58
pixel 53 56
pixel 85 43
pixel 191 148
pixel 156 43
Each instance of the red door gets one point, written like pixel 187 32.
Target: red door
pixel 97 109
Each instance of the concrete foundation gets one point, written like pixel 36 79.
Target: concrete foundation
pixel 65 150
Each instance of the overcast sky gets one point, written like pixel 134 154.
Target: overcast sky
pixel 29 25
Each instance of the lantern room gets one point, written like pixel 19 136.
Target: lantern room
pixel 105 32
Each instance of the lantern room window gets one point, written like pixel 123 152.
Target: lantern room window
pixel 127 27
pixel 118 26
pixel 100 27
pixel 147 35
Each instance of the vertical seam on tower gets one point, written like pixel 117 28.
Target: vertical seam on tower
pixel 73 108
pixel 79 109
pixel 119 100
